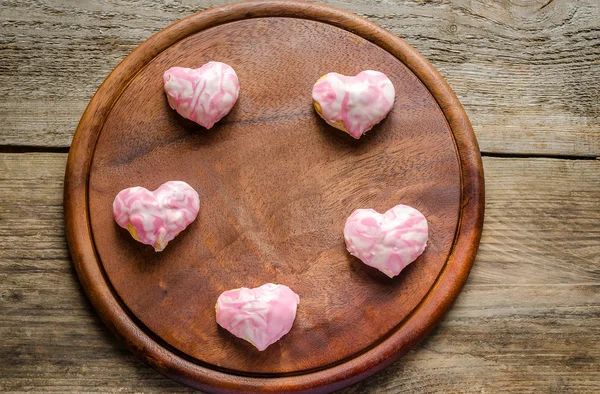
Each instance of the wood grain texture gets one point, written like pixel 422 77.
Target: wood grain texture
pixel 283 168
pixel 528 75
pixel 527 320
pixel 527 72
pixel 273 205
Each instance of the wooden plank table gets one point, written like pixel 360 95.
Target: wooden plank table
pixel 528 74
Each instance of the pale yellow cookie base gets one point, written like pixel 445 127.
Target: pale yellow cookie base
pixel 132 231
pixel 134 234
pixel 338 124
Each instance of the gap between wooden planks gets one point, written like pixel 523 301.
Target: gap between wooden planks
pixel 527 319
pixel 527 72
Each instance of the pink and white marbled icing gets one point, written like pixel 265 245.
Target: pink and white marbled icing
pixel 354 104
pixel 203 95
pixel 388 242
pixel 261 315
pixel 155 218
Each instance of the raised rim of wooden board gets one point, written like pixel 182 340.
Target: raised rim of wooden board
pixel 415 327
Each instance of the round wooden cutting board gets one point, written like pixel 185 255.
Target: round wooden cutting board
pixel 276 185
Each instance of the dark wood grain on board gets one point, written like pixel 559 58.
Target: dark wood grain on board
pixel 528 318
pixel 276 185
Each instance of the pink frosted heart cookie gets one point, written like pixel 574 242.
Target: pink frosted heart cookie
pixel 388 242
pixel 203 95
pixel 155 218
pixel 261 315
pixel 354 104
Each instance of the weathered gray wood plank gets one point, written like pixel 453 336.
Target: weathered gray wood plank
pixel 527 72
pixel 528 318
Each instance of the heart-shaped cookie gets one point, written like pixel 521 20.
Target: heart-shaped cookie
pixel 203 95
pixel 155 218
pixel 354 104
pixel 388 242
pixel 261 315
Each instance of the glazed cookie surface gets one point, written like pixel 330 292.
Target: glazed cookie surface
pixel 389 241
pixel 204 95
pixel 261 315
pixel 354 104
pixel 156 217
